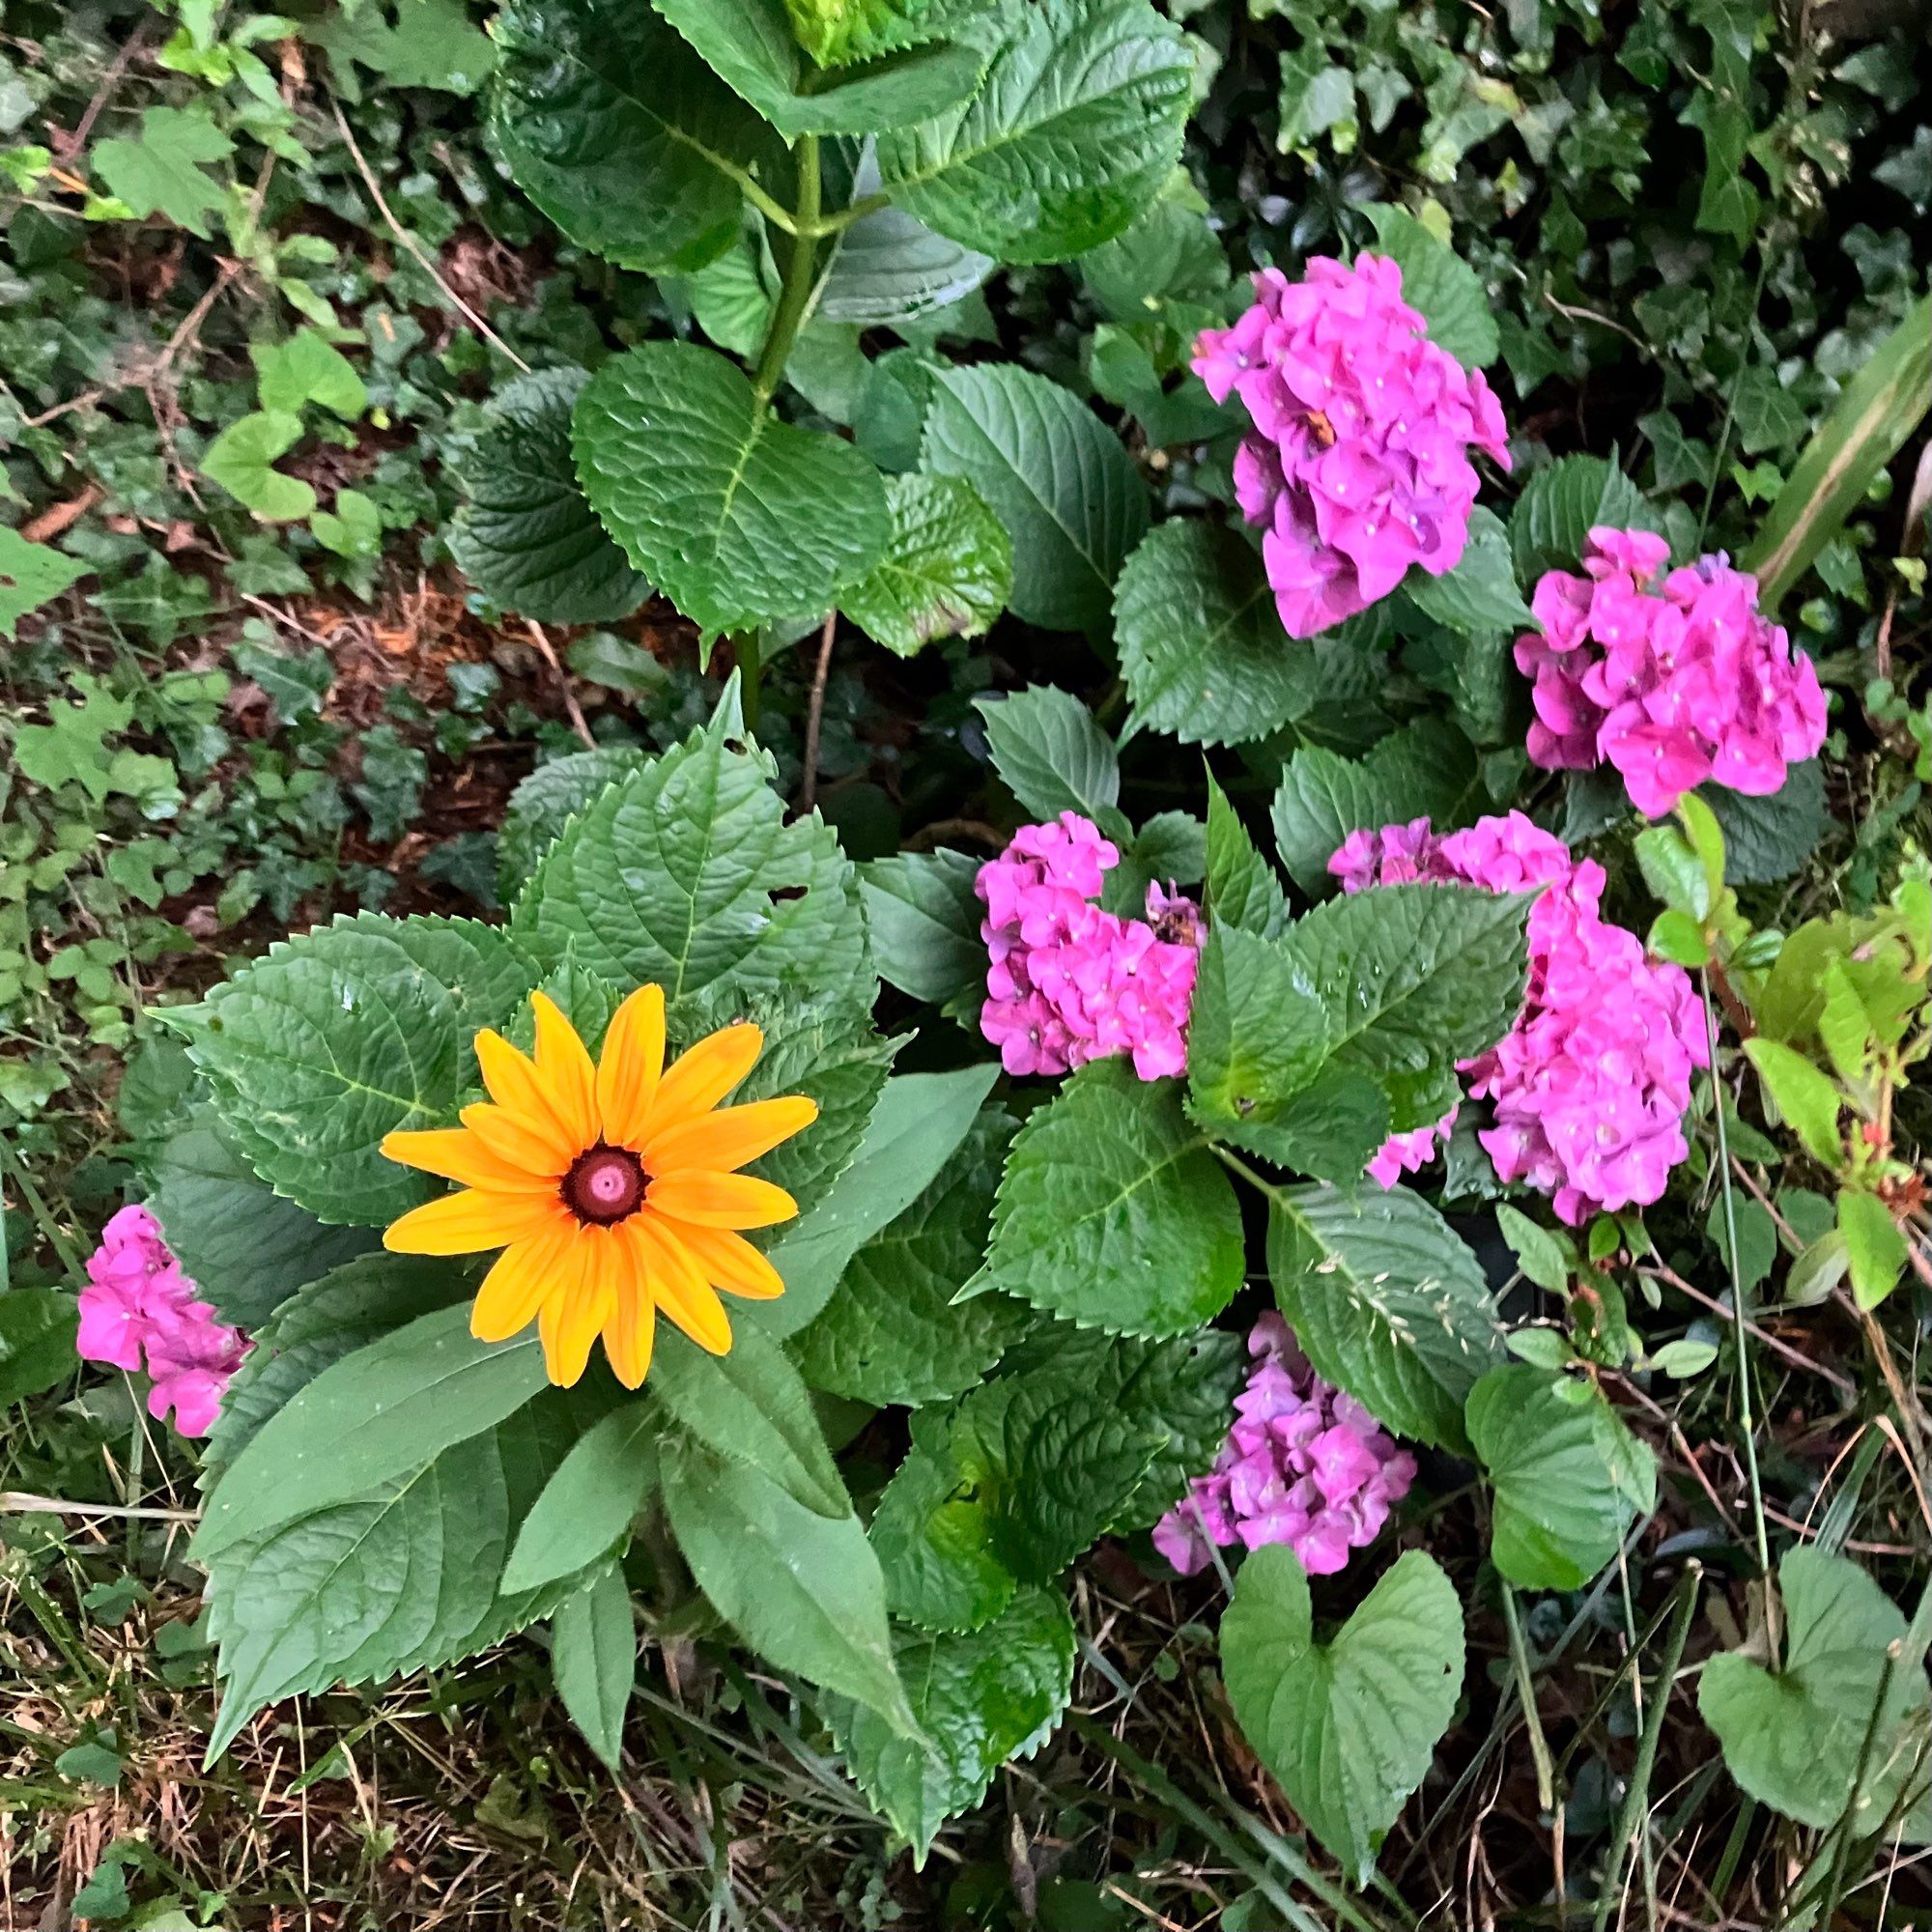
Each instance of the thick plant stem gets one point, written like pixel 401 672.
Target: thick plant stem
pixel 795 298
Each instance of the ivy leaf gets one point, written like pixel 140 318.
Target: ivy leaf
pixel 1793 1737
pixel 739 519
pixel 548 799
pixel 979 1699
pixel 1114 1211
pixel 947 572
pixel 621 135
pixel 593 1657
pixel 892 1331
pixel 890 268
pixel 36 1331
pixel 1559 506
pixel 804 1590
pixel 1074 130
pixel 1387 1301
pixel 328 1042
pixel 751 44
pixel 161 172
pixel 1479 598
pixel 1348 1727
pixel 676 874
pixel 1568 1477
pixel 584 1510
pixel 1437 282
pixel 526 537
pixel 241 459
pixel 924 920
pixel 1242 890
pixel 1202 646
pixel 432 43
pixel 1056 476
pixel 1052 756
pixel 31 575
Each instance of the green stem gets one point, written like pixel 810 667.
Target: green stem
pixel 795 298
pixel 1526 1692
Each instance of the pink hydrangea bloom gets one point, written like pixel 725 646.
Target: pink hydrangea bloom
pixel 1358 463
pixel 139 1311
pixel 1304 1464
pixel 1589 1087
pixel 1068 982
pixel 1673 684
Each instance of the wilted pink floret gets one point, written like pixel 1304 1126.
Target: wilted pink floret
pixel 1304 1464
pixel 1068 982
pixel 139 1311
pixel 1672 684
pixel 1590 1086
pixel 1358 465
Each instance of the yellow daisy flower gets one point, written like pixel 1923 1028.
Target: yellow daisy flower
pixel 611 1188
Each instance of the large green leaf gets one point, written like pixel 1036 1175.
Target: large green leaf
pixel 752 47
pixel 1559 506
pixel 804 1590
pixel 946 573
pixel 391 1407
pixel 1348 1727
pixel 324 1044
pixel 1568 1477
pixel 1767 839
pixel 1878 411
pixel 1793 1737
pixel 687 874
pixel 36 1331
pixel 1243 889
pixel 585 1509
pixel 1387 1302
pixel 978 1698
pixel 741 519
pixel 892 1331
pixel 244 1247
pixel 923 917
pixel 1114 1211
pixel 593 1657
pixel 1073 131
pixel 1441 285
pixel 1052 756
pixel 1479 598
pixel 1056 476
pixel 526 537
pixel 548 799
pixel 890 268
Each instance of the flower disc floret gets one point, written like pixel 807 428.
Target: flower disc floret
pixel 613 1188
pixel 1358 463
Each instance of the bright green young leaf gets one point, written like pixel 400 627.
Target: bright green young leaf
pixel 1052 756
pixel 946 573
pixel 548 799
pixel 31 575
pixel 585 1508
pixel 1479 598
pixel 1387 1301
pixel 833 31
pixel 1568 1477
pixel 739 519
pixel 1057 477
pixel 1553 516
pixel 1437 282
pixel 307 368
pixel 161 173
pixel 36 1331
pixel 242 459
pixel 329 1041
pixel 1538 1253
pixel 526 537
pixel 593 1657
pixel 1806 1098
pixel 352 528
pixel 621 135
pixel 803 1590
pixel 1114 1213
pixel 1074 130
pixel 1243 889
pixel 1348 1727
pixel 978 1698
pixel 1875 1246
pixel 924 920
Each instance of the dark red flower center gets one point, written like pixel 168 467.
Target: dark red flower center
pixel 604 1184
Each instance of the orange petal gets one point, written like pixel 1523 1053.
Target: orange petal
pixel 729 1137
pixel 516 1087
pixel 631 1326
pixel 720 1199
pixel 679 1289
pixel 516 1286
pixel 571 1316
pixel 518 1144
pixel 471 1221
pixel 457 1155
pixel 702 1077
pixel 564 1067
pixel 630 1066
pixel 728 1261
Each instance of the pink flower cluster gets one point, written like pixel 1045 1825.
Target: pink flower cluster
pixel 139 1311
pixel 1068 983
pixel 1672 685
pixel 1358 463
pixel 1304 1464
pixel 1589 1087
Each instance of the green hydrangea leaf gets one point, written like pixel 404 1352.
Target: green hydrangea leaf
pixel 1568 1477
pixel 1767 839
pixel 947 572
pixel 890 268
pixel 739 519
pixel 1479 598
pixel 1441 285
pixel 621 135
pixel 548 799
pixel 833 31
pixel 1387 1301
pixel 1348 1727
pixel 1053 756
pixel 1243 889
pixel 317 1050
pixel 924 919
pixel 526 537
pixel 979 1698
pixel 593 1658
pixel 1074 130
pixel 1559 506
pixel 1056 476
